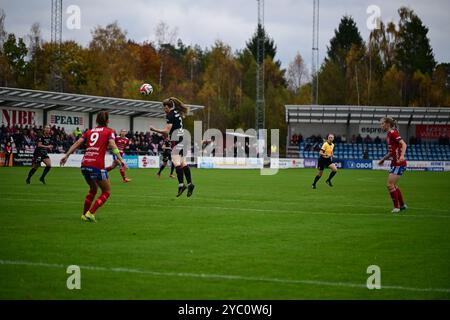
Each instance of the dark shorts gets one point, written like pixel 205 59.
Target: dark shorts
pixel 324 163
pixel 38 157
pixel 167 155
pixel 398 171
pixel 95 174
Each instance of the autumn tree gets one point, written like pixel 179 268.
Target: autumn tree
pixel 297 73
pixel 15 52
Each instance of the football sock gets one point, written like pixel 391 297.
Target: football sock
pixel 171 169
pixel 394 196
pixel 46 170
pixel 100 201
pixel 317 178
pixel 108 169
pixel 400 197
pixel 30 174
pixel 88 201
pixel 122 172
pixel 161 168
pixel 180 175
pixel 187 174
pixel 332 174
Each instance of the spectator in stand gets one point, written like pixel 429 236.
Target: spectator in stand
pixel 366 154
pixel 132 147
pixel 359 139
pixel 144 149
pixel 154 146
pixel 294 139
pixel 353 139
pixel 377 140
pixel 367 140
pixel 443 140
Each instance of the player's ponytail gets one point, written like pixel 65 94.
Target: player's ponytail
pixel 392 123
pixel 177 104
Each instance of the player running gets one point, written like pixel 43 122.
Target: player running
pixel 122 143
pixel 43 145
pixel 326 161
pixel 167 155
pixel 175 111
pixel 396 151
pixel 93 164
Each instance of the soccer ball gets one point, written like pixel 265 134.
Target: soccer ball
pixel 146 89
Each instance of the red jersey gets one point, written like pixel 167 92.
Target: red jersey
pixel 395 148
pixel 122 143
pixel 97 141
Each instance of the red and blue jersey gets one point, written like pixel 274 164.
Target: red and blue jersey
pixel 395 148
pixel 97 141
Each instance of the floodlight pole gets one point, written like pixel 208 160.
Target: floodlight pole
pixel 260 101
pixel 315 55
pixel 56 83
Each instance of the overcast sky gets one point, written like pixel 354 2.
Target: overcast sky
pixel 288 22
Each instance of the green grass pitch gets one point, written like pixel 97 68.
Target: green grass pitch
pixel 241 236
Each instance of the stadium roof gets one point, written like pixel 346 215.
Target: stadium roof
pixel 365 114
pixel 47 100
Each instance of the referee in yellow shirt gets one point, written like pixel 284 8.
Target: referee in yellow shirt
pixel 325 161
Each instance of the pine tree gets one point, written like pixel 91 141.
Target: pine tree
pixel 413 52
pixel 346 36
pixel 270 49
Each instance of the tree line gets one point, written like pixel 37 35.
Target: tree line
pixel 395 66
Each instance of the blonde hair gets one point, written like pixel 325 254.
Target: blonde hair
pixel 176 103
pixel 390 121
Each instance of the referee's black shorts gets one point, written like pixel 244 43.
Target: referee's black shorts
pixel 323 163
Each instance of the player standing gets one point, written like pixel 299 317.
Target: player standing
pixel 167 155
pixel 396 151
pixel 93 164
pixel 326 161
pixel 43 145
pixel 122 143
pixel 175 111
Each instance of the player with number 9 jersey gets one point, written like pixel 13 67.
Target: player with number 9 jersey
pixel 97 141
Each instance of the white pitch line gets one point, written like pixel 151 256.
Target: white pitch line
pixel 146 205
pixel 272 201
pixel 221 276
pixel 253 209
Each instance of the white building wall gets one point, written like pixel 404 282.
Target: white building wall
pixel 143 124
pixel 119 122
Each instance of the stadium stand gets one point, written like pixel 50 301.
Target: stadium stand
pixel 419 152
pixel 346 121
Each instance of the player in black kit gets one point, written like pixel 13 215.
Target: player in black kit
pixel 43 145
pixel 167 155
pixel 175 111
